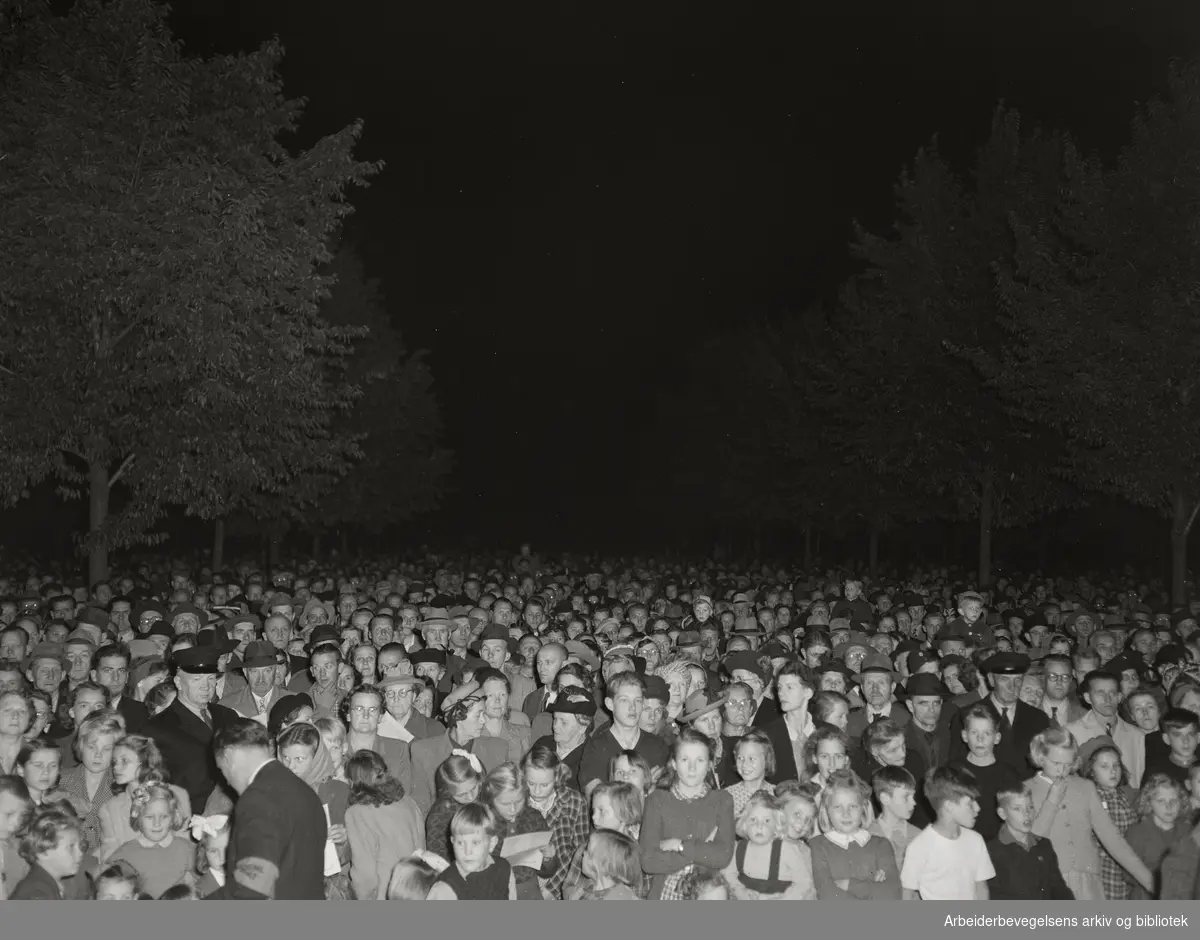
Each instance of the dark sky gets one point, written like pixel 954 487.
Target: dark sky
pixel 574 193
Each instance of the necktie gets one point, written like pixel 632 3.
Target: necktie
pixel 1054 714
pixel 207 717
pixel 262 704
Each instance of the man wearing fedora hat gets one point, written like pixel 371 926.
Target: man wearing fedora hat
pixel 877 684
pixel 184 729
pixel 929 703
pixel 256 699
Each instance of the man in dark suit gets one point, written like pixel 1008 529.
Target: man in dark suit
pixel 256 698
pixel 277 846
pixel 184 730
pixel 110 668
pixel 928 734
pixel 1019 723
pixel 877 683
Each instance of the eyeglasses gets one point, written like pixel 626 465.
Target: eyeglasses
pixel 394 695
pixel 363 710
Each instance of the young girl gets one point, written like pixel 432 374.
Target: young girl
pixel 1104 768
pixel 412 879
pixel 16 810
pixel 754 759
pixel 765 865
pixel 610 863
pixel 705 884
pixel 798 803
pixel 303 752
pixel 89 786
pixel 38 762
pixel 632 767
pixel 825 752
pixel 686 823
pixel 1161 824
pixel 457 782
pixel 476 874
pixel 118 882
pixel 848 862
pixel 136 762
pixel 616 807
pixel 1068 812
pixel 52 848
pixel 159 856
pixel 506 793
pixel 383 823
pixel 212 843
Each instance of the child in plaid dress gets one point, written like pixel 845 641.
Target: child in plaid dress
pixel 1103 766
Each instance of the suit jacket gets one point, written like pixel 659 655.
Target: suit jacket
pixel 234 683
pixel 535 703
pixel 37 885
pixel 1013 748
pixel 914 739
pixel 428 754
pixel 242 701
pixel 135 714
pixel 279 821
pixel 1071 710
pixel 186 745
pixel 856 724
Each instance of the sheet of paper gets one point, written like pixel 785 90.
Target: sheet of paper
pixel 525 851
pixel 332 865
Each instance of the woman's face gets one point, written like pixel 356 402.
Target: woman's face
pixel 125 765
pixel 40 772
pixel 96 754
pixel 14 715
pixel 953 683
pixel 1032 692
pixel 424 702
pixel 709 724
pixel 891 753
pixel 471 725
pixel 298 758
pixel 1144 710
pixel 87 701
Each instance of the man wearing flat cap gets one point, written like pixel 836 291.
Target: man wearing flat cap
pixel 1019 723
pixel 184 729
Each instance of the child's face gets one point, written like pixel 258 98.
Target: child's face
pixel 298 758
pixel 831 756
pixel 603 816
pixel 625 772
pixel 63 860
pixel 1058 762
pixel 891 753
pixel 1165 805
pixel 125 766
pixel 12 811
pixel 1017 813
pixel 337 751
pixel 799 816
pixel 41 771
pixel 963 811
pixel 472 848
pixel 465 792
pixel 156 820
pixel 760 825
pixel 115 890
pixel 1106 770
pixel 691 764
pixel 840 716
pixel 215 849
pixel 1183 743
pixel 981 737
pixel 715 893
pixel 845 811
pixel 901 802
pixel 96 755
pixel 508 805
pixel 751 762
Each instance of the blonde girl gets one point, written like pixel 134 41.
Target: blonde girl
pixel 476 874
pixel 632 767
pixel 333 736
pixel 212 844
pixel 1162 822
pixel 765 865
pixel 136 761
pixel 799 804
pixel 506 793
pixel 160 857
pixel 457 782
pixel 413 878
pixel 616 807
pixel 754 758
pixel 848 862
pixel 1069 813
pixel 610 863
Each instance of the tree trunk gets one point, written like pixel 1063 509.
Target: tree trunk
pixel 218 552
pixel 97 514
pixel 808 547
pixel 987 489
pixel 873 552
pixel 1181 526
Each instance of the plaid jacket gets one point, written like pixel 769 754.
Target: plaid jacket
pixel 569 829
pixel 1112 875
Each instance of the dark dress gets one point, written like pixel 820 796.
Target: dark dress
pixel 772 883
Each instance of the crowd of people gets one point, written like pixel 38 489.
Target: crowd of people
pixel 529 729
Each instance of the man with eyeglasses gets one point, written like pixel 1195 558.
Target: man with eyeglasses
pixel 1059 705
pixel 402 722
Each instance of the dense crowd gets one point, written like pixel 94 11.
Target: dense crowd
pixel 529 729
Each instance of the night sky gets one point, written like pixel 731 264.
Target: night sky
pixel 574 194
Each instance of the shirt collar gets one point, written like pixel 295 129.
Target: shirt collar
pixel 1007 838
pixel 862 837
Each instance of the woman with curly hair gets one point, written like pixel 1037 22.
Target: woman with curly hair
pixel 383 823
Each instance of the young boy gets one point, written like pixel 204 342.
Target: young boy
pixel 1181 732
pixel 948 860
pixel 53 850
pixel 1026 866
pixel 896 792
pixel 981 735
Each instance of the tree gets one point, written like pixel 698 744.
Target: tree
pixel 912 403
pixel 1101 299
pixel 161 340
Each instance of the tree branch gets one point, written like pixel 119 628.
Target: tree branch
pixel 125 465
pixel 1192 518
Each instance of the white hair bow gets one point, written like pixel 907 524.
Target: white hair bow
pixel 474 761
pixel 210 826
